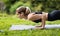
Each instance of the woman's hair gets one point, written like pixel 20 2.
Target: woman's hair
pixel 25 10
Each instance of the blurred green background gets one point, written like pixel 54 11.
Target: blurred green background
pixel 35 5
pixel 8 17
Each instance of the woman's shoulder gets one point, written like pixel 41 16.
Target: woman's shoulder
pixel 29 17
pixel 31 14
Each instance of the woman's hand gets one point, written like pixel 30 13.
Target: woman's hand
pixel 39 27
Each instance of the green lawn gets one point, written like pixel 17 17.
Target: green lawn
pixel 6 22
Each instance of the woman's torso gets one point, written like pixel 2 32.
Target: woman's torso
pixel 39 20
pixel 49 16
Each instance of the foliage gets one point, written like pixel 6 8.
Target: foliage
pixel 8 4
pixel 15 6
pixel 18 4
pixel 35 5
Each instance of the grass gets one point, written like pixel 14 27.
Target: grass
pixel 7 21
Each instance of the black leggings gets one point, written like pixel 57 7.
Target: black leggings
pixel 54 15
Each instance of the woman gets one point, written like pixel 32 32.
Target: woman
pixel 25 12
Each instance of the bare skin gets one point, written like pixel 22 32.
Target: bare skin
pixel 43 16
pixel 33 16
pixel 22 11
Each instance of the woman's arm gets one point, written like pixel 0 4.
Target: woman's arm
pixel 40 16
pixel 43 20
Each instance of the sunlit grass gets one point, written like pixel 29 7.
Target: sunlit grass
pixel 6 22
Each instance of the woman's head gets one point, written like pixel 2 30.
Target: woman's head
pixel 22 11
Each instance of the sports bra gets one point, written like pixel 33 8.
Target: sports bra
pixel 38 20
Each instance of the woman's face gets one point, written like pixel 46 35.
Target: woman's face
pixel 21 15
